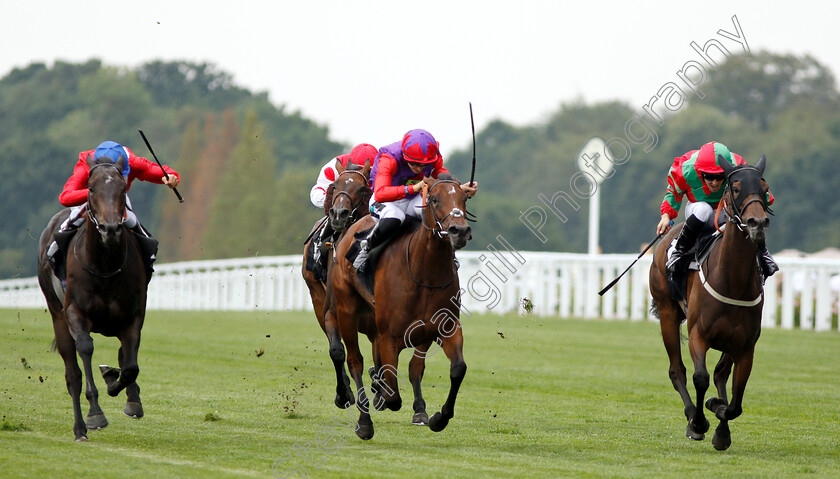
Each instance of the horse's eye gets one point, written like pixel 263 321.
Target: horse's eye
pixel 433 199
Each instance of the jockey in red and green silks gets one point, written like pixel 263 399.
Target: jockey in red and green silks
pixel 698 176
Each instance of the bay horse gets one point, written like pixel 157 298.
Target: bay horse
pixel 347 201
pixel 723 304
pixel 105 293
pixel 415 301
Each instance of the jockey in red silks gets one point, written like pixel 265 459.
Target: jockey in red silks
pixel 397 177
pixel 75 191
pixel 698 175
pixel 358 155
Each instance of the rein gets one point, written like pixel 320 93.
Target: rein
pixel 436 228
pixel 736 219
pixel 94 273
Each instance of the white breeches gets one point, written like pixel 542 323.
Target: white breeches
pixel 399 209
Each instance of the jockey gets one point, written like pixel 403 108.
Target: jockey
pixel 75 190
pixel 358 155
pixel 698 175
pixel 397 176
pixel 321 192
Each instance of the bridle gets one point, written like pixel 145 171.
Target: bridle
pixel 437 226
pixel 736 209
pixel 354 205
pixel 92 217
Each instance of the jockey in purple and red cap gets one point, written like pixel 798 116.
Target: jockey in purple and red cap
pixel 397 178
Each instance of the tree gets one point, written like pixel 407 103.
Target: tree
pixel 242 205
pixel 757 86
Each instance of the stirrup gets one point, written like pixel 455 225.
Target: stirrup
pixel 362 256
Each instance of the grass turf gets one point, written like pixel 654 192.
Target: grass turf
pixel 543 397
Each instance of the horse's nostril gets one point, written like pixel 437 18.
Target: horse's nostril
pixel 766 222
pixel 343 214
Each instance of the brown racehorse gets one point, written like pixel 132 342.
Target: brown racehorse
pixel 350 194
pixel 105 293
pixel 415 301
pixel 723 307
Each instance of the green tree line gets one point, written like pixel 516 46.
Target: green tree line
pixel 247 165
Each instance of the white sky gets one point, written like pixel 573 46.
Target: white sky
pixel 373 70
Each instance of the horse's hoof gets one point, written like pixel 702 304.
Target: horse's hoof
pixel 364 431
pixel 343 403
pixel 82 439
pixel 722 438
pixel 95 422
pixel 109 373
pixel 420 419
pixel 438 423
pixel 133 409
pixel 692 434
pixel 394 404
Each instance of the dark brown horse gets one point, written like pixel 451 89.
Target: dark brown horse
pixel 723 306
pixel 105 293
pixel 347 202
pixel 414 302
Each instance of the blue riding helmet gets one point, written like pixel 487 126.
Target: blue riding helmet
pixel 113 151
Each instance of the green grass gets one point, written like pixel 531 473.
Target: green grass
pixel 552 398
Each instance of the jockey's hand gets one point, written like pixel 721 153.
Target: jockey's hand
pixel 470 188
pixel 172 182
pixel 664 225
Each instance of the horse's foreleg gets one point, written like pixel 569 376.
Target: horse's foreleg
pixel 722 371
pixel 743 367
pixel 453 347
pixel 376 385
pixel 670 326
pixel 416 367
pixel 698 424
pixel 72 375
pixel 133 405
pixel 130 344
pixel 355 365
pixel 343 394
pixel 388 383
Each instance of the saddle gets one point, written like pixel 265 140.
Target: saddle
pixel 367 276
pixel 678 281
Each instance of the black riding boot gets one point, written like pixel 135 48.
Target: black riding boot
pixel 381 232
pixel 319 251
pixel 768 265
pixel 148 247
pixel 679 259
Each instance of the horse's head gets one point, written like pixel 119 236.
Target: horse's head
pixel 746 198
pixel 446 211
pixel 106 197
pixel 350 195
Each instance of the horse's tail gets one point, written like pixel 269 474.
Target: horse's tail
pixel 654 311
pixel 53 347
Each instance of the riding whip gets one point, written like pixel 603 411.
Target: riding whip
pixel 180 199
pixel 472 124
pixel 609 286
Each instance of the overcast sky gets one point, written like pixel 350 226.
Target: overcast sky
pixel 372 70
